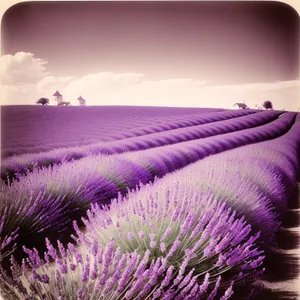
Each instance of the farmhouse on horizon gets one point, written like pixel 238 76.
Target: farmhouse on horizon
pixel 57 99
pixel 240 106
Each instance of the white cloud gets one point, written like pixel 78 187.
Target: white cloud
pixel 53 83
pixel 22 69
pixel 105 80
pixel 49 84
pixel 113 89
pixel 108 88
pixel 99 86
pixel 18 94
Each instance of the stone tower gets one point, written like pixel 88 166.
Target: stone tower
pixel 81 101
pixel 57 98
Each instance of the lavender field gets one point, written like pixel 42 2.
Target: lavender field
pixel 148 203
pixel 66 128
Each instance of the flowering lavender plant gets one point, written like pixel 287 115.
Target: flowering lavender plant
pixel 161 242
pixel 44 203
pixel 189 231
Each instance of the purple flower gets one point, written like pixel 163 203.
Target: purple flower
pixel 79 258
pixel 61 248
pixel 152 236
pixel 127 272
pixel 141 235
pixel 168 277
pixel 228 293
pixel 152 244
pixel 166 234
pixel 203 287
pixel 186 280
pixel 163 247
pixel 214 291
pixel 130 236
pixel 44 278
pixel 142 265
pixel 95 248
pixel 173 249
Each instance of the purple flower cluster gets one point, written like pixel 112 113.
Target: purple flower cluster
pixel 203 241
pixel 44 204
pixel 7 239
pixel 167 221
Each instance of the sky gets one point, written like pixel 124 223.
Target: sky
pixel 207 54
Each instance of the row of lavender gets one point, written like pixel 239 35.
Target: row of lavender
pixel 255 180
pixel 174 238
pixel 23 128
pixel 142 138
pixel 44 203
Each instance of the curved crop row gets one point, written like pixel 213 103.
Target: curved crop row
pixel 65 192
pixel 256 180
pixel 155 244
pixel 185 134
pixel 190 121
pixel 58 127
pixel 45 203
pixel 181 154
pixel 297 117
pixel 20 165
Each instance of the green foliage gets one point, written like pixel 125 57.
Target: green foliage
pixel 268 105
pixel 43 101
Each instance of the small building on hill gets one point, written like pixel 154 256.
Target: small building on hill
pixel 240 106
pixel 81 101
pixel 57 98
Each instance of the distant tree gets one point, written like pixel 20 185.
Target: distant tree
pixel 43 101
pixel 268 105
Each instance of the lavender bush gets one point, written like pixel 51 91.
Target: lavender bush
pixel 7 241
pixel 27 221
pixel 44 205
pixel 157 243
